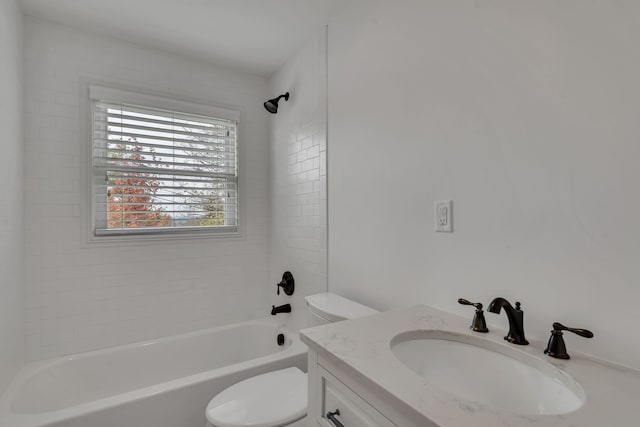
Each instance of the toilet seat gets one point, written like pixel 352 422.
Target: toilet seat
pixel 273 399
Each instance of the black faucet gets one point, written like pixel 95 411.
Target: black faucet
pixel 516 320
pixel 286 308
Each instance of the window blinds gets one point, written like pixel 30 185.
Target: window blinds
pixel 158 170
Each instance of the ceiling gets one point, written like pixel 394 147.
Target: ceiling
pixel 256 36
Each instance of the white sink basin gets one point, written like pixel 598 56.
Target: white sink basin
pixel 484 372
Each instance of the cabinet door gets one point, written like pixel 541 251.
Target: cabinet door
pixel 348 409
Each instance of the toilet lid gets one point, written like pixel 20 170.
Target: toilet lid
pixel 268 400
pixel 335 308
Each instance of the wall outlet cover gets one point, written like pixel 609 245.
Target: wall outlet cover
pixel 444 216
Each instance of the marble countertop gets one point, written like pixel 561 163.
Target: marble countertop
pixel 363 347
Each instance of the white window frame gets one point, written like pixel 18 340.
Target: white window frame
pixel 135 97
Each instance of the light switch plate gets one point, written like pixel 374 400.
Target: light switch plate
pixel 444 216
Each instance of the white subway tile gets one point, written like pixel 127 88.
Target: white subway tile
pixel 77 290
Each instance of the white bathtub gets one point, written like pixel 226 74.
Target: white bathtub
pixel 161 383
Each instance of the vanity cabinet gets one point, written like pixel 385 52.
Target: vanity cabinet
pixel 348 408
pixel 332 389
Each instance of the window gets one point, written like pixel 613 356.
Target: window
pixel 161 170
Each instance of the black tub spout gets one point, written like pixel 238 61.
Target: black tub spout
pixel 286 308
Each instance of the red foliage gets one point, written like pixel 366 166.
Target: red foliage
pixel 130 201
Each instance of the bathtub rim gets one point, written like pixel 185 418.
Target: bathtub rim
pixel 19 419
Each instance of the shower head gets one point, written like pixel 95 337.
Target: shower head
pixel 272 104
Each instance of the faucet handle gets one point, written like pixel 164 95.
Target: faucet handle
pixel 477 305
pixel 582 332
pixel 556 346
pixel 479 324
pixel 287 283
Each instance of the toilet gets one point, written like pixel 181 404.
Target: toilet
pixel 279 398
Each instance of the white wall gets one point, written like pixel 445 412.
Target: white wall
pixel 525 114
pixel 83 296
pixel 298 176
pixel 11 202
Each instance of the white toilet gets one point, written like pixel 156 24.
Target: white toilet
pixel 279 398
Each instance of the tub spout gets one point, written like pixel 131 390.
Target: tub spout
pixel 286 308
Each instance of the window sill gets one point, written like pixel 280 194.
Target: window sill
pixel 152 236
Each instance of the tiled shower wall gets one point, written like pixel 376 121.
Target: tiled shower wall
pixel 11 202
pixel 82 296
pixel 298 176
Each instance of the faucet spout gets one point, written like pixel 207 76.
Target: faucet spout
pixel 286 308
pixel 516 319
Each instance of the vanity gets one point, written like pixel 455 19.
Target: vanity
pixel 422 367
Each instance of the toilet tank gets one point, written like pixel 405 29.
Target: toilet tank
pixel 328 308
